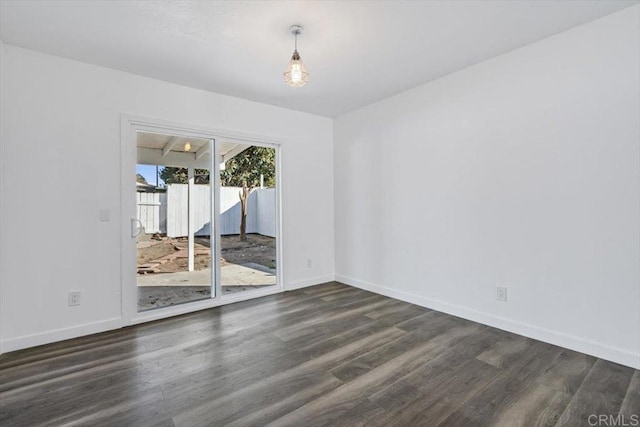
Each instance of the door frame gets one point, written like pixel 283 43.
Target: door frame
pixel 130 125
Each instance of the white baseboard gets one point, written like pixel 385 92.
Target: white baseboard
pixel 47 337
pixel 309 282
pixel 613 354
pixel 62 334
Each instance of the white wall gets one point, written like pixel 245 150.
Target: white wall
pixel 61 140
pixel 2 262
pixel 521 171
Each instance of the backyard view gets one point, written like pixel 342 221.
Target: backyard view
pixel 174 251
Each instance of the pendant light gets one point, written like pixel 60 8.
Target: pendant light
pixel 296 74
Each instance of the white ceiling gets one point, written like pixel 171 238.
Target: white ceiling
pixel 357 52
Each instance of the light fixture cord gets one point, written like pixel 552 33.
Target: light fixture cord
pixel 296 42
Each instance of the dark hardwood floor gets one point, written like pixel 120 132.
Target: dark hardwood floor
pixel 325 355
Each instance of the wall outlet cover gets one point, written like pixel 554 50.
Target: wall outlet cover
pixel 501 293
pixel 74 298
pixel 104 215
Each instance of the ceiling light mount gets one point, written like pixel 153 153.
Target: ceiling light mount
pixel 296 30
pixel 296 74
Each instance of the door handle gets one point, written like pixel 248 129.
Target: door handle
pixel 136 227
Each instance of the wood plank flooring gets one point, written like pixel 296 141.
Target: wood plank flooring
pixel 328 355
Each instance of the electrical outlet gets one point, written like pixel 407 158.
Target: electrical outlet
pixel 309 263
pixel 104 215
pixel 74 298
pixel 501 293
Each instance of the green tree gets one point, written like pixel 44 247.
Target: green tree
pixel 243 170
pixel 246 167
pixel 172 175
pixel 141 179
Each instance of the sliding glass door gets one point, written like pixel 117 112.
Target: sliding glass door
pixel 174 249
pixel 248 218
pixel 204 222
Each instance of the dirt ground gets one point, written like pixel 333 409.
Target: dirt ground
pixel 257 249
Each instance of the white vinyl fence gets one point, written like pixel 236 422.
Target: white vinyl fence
pixel 168 213
pixel 149 210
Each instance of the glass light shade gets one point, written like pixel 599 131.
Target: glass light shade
pixel 296 74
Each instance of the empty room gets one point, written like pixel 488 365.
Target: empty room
pixel 320 213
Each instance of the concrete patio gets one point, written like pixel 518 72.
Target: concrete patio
pixel 248 274
pixel 166 289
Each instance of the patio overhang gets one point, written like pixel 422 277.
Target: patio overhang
pixel 167 150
